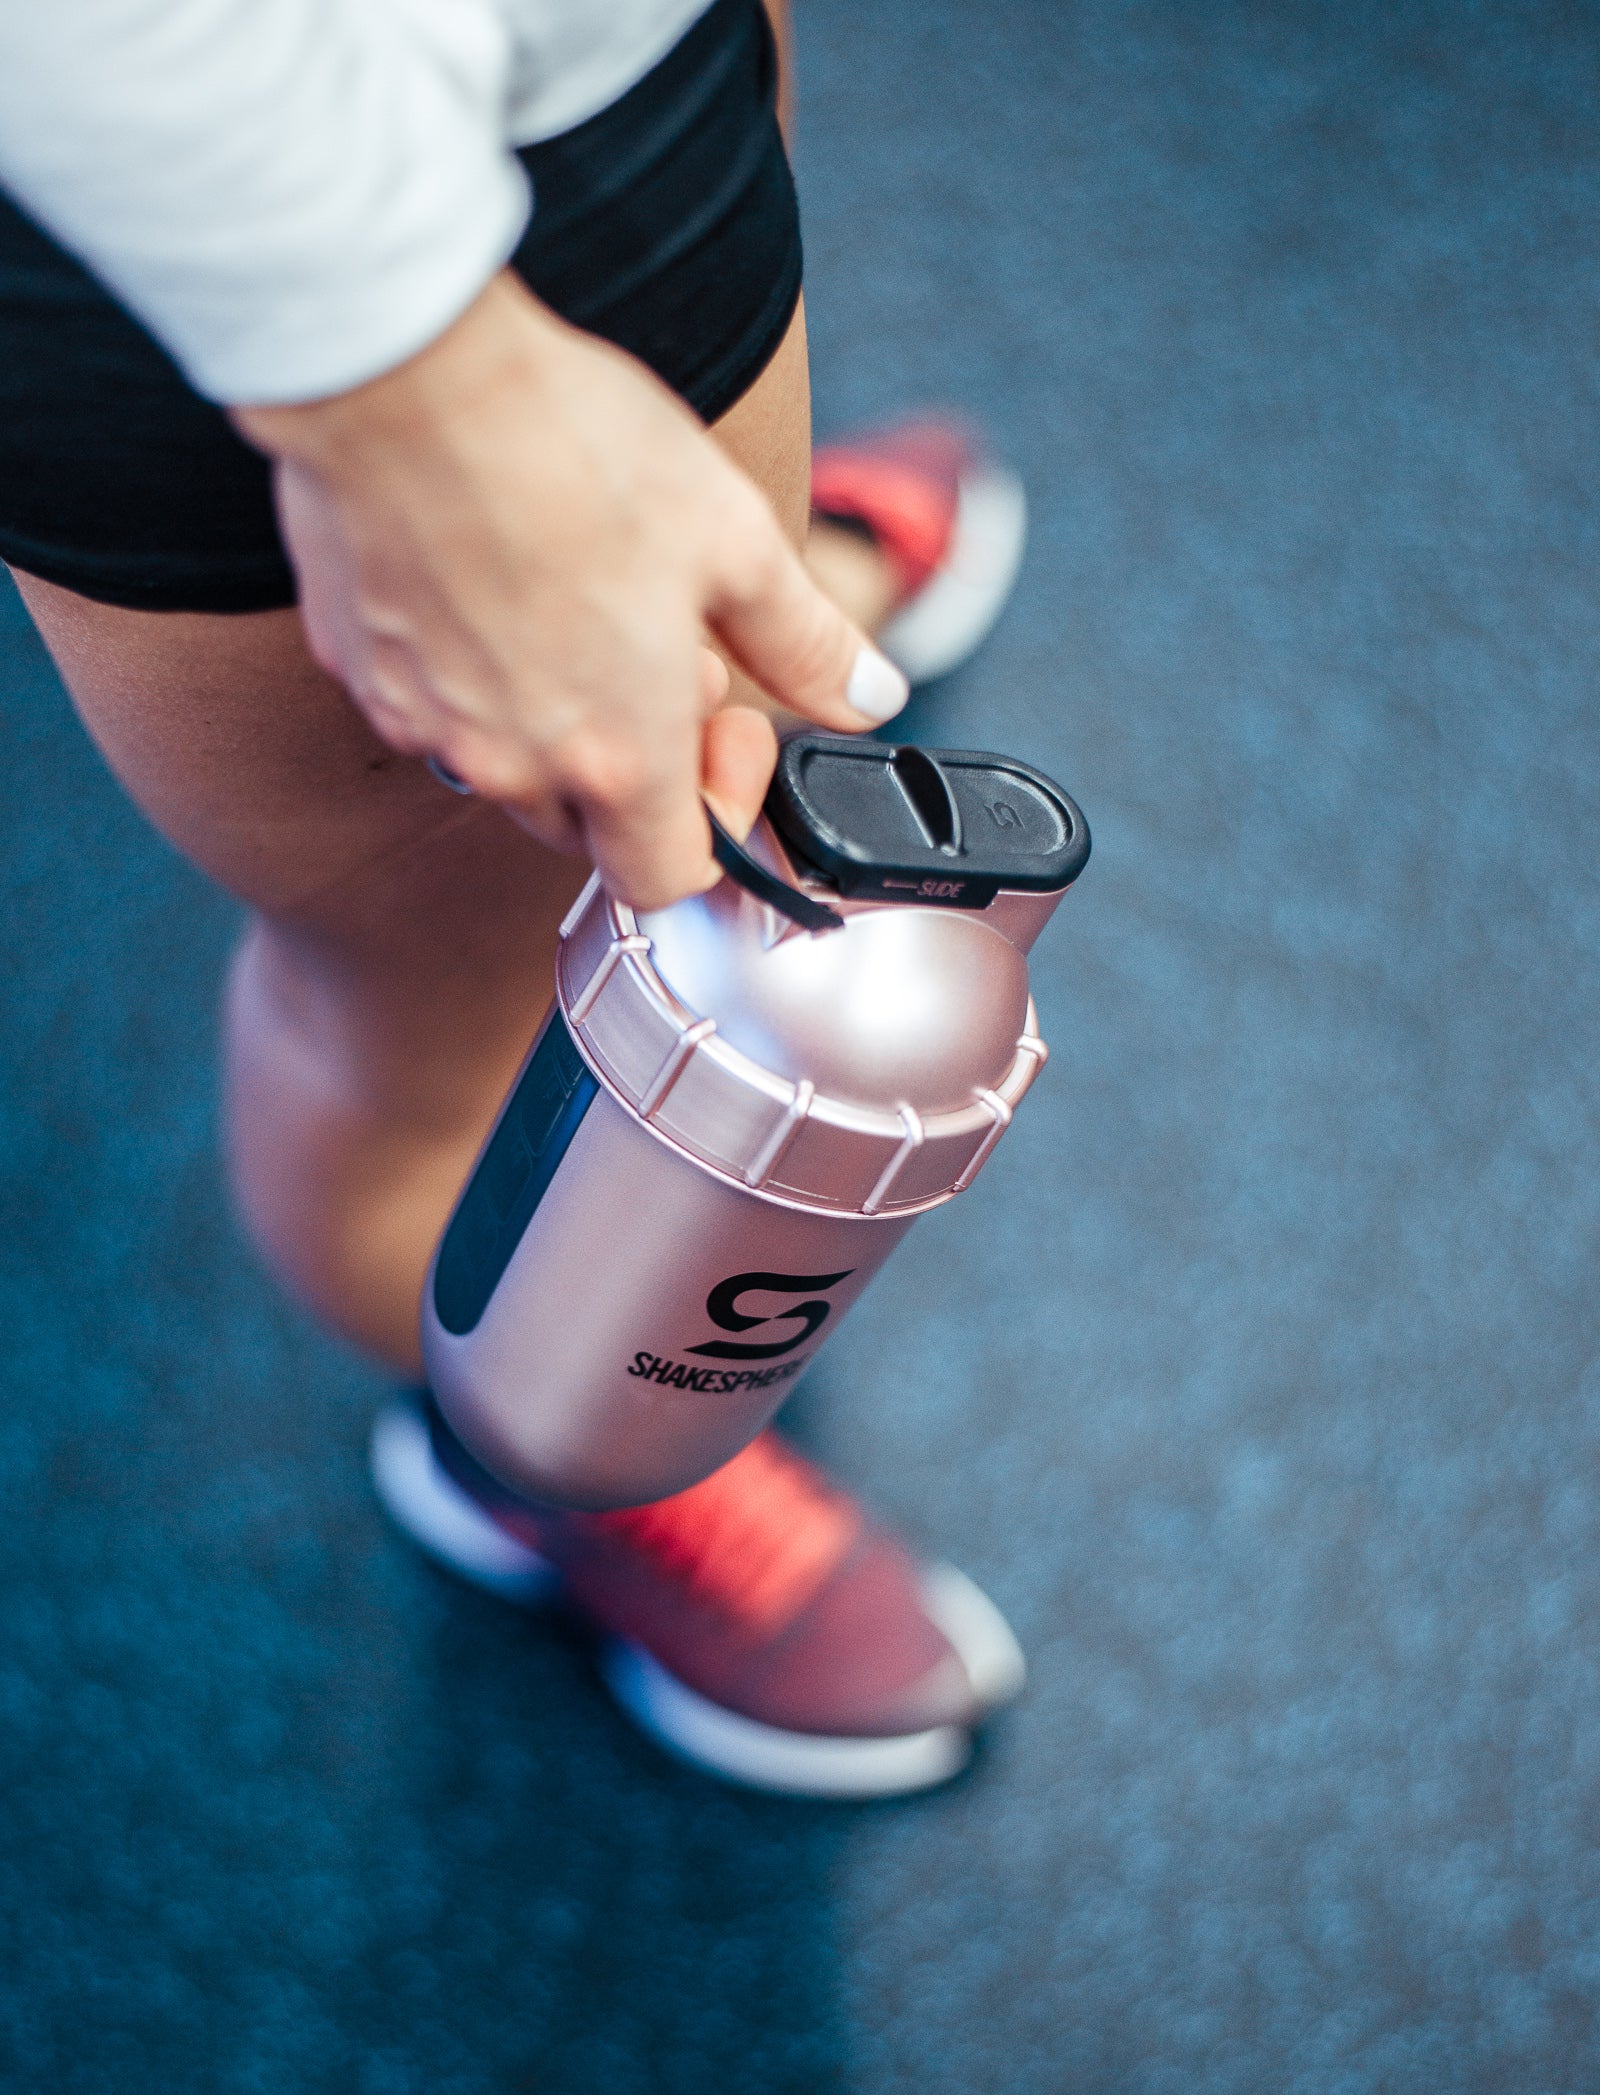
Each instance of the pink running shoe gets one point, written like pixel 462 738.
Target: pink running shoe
pixel 950 520
pixel 757 1625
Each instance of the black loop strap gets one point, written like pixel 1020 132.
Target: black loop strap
pixel 748 873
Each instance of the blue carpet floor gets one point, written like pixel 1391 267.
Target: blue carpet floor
pixel 1258 1376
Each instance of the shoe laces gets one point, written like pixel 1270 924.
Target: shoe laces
pixel 754 1541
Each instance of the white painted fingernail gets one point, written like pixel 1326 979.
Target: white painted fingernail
pixel 876 689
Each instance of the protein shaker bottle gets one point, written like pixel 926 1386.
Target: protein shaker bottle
pixel 735 1110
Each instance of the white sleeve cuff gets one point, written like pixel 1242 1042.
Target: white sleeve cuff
pixel 294 195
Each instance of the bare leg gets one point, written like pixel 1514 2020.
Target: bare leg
pixel 402 947
pixel 851 570
pixel 846 566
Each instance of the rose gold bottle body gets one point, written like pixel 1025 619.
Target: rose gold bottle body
pixel 723 1130
pixel 583 1383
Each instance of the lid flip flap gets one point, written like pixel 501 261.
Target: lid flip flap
pixel 950 827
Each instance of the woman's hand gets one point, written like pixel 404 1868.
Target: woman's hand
pixel 512 551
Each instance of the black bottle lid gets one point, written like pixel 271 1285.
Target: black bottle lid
pixel 944 826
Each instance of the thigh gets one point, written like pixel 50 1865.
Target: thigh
pixel 258 768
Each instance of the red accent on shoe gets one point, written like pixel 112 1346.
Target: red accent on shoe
pixel 753 1541
pixel 867 1672
pixel 765 1590
pixel 904 486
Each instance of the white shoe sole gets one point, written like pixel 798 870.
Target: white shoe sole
pixel 977 1632
pixel 760 1756
pixel 443 1520
pixel 433 1510
pixel 952 613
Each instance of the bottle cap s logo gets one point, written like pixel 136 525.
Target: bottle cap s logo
pixel 722 1307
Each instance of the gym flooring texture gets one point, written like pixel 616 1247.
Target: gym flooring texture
pixel 1258 1375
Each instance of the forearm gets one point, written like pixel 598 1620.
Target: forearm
pixel 415 406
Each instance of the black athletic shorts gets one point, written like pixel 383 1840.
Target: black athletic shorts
pixel 667 224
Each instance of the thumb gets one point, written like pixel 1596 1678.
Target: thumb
pixel 796 644
pixel 737 753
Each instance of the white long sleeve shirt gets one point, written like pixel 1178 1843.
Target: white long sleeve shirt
pixel 295 195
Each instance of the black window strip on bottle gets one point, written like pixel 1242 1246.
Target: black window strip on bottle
pixel 524 1153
